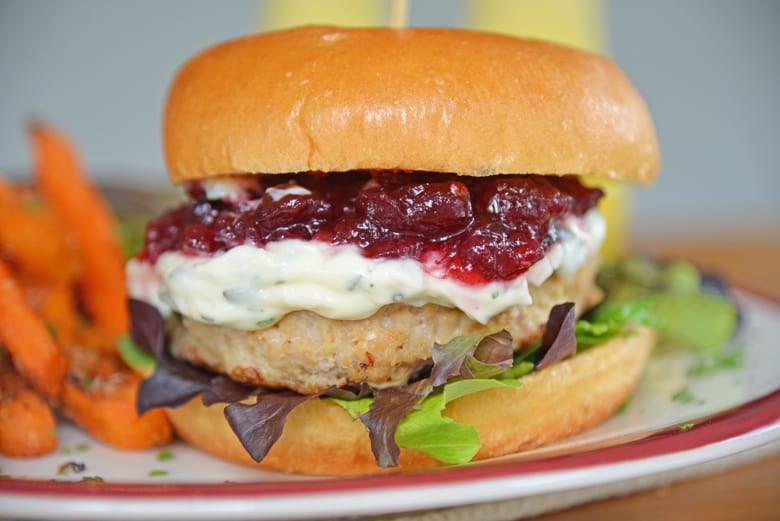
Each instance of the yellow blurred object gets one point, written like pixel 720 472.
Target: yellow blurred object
pixel 572 22
pixel 578 23
pixel 278 14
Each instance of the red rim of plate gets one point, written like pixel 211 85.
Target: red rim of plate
pixel 721 427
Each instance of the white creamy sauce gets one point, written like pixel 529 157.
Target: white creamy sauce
pixel 229 188
pixel 278 192
pixel 249 287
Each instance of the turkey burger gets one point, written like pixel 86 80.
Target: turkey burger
pixel 386 226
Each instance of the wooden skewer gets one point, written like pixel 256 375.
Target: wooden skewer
pixel 399 13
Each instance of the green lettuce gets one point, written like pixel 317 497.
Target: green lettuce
pixel 674 297
pixel 135 357
pixel 427 430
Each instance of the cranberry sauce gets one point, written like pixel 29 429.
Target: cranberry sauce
pixel 474 229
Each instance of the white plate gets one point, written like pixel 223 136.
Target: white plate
pixel 734 413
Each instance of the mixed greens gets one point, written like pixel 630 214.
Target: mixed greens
pixel 687 308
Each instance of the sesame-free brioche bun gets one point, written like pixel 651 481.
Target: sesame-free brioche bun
pixel 553 403
pixel 443 100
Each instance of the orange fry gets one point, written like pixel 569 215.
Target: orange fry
pixel 32 347
pixel 100 394
pixel 27 424
pixel 79 206
pixel 56 304
pixel 94 337
pixel 107 411
pixel 34 240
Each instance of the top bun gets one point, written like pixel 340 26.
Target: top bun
pixel 444 100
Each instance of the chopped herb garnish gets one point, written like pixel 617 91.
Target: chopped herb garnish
pixel 96 479
pixel 52 329
pixel 165 455
pixel 157 473
pixel 354 283
pixel 81 447
pixel 266 322
pixel 65 451
pixel 71 466
pixel 686 426
pixel 708 365
pixel 684 396
pixel 494 295
pixel 623 407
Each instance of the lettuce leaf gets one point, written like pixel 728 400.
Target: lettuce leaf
pixel 689 308
pixel 427 430
pixel 478 356
pixel 612 320
pixel 702 321
pixel 259 425
pixel 387 411
pixel 518 369
pixel 355 408
pixel 135 357
pixel 558 341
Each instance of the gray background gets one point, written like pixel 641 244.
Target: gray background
pixel 710 71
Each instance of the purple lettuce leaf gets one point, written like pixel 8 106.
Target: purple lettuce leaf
pixel 450 359
pixel 390 406
pixel 222 389
pixel 465 356
pixel 147 327
pixel 492 356
pixel 259 425
pixel 496 349
pixel 353 391
pixel 558 340
pixel 173 383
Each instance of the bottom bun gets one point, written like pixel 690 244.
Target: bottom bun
pixel 566 398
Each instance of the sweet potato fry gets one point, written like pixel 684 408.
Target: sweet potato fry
pixel 99 395
pixel 55 303
pixel 31 237
pixel 79 206
pixel 27 424
pixel 25 336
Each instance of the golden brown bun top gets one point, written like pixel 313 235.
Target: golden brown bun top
pixel 336 99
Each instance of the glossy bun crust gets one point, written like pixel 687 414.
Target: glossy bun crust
pixel 443 100
pixel 561 400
